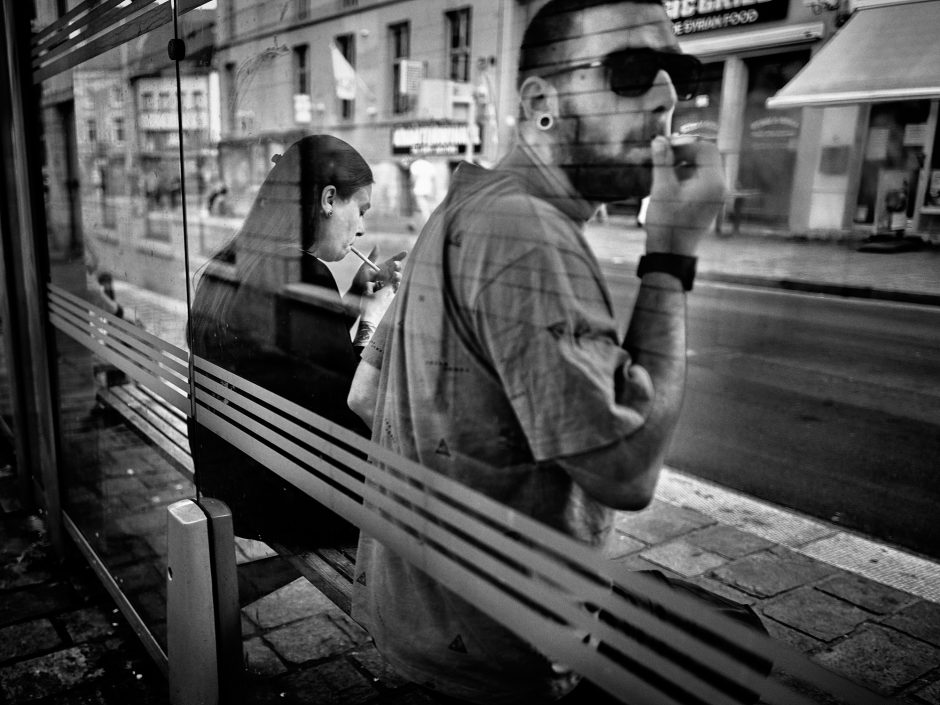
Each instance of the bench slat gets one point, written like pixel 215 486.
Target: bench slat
pixel 332 580
pixel 142 421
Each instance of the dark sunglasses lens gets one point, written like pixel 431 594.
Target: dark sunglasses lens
pixel 633 73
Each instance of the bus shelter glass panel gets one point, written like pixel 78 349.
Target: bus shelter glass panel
pixel 118 305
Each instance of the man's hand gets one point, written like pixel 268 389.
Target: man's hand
pixel 688 190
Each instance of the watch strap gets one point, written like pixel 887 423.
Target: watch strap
pixel 680 266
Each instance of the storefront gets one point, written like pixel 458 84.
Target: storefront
pixel 870 107
pixel 750 51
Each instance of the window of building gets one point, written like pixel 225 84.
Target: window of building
pixel 146 101
pixel 163 102
pixel 346 43
pixel 458 44
pixel 118 126
pixel 301 9
pixel 399 41
pixel 301 70
pixel 199 100
pixel 91 130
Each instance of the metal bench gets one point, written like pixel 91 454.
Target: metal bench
pixel 163 426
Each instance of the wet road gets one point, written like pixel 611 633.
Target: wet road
pixel 826 405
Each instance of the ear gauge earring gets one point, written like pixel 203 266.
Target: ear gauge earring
pixel 545 121
pixel 328 213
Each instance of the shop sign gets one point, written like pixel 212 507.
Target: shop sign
pixel 438 137
pixel 775 128
pixel 693 16
pixel 706 129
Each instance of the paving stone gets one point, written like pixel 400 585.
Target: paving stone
pixel 882 658
pixel 716 587
pixel 296 600
pixel 661 521
pixel 35 601
pixel 622 545
pixel 139 576
pixel 335 682
pixel 30 566
pixel 315 638
pixel 683 558
pixel 635 562
pixel 767 574
pixel 816 613
pixel 798 640
pixel 871 595
pixel 86 624
pixel 727 541
pixel 260 660
pixel 248 550
pixel 922 619
pixel 374 664
pixel 20 640
pixel 15 538
pixel 413 696
pixel 50 674
pixel 930 693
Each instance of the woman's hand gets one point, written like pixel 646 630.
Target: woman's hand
pixel 389 273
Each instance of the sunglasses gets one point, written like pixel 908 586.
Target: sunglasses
pixel 633 72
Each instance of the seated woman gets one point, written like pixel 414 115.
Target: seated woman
pixel 269 310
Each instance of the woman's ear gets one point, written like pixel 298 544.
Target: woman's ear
pixel 327 199
pixel 538 97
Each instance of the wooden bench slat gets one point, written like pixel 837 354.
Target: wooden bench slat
pixel 322 573
pixel 143 425
pixel 173 434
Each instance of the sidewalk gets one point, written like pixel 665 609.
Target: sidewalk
pixel 62 640
pixel 785 262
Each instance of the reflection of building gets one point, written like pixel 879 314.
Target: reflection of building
pixel 870 104
pixel 112 132
pixel 409 74
pixel 749 53
pixel 153 91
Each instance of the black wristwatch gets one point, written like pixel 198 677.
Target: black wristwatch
pixel 680 266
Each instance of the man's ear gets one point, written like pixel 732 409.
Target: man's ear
pixel 327 197
pixel 538 97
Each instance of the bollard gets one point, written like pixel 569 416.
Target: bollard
pixel 203 631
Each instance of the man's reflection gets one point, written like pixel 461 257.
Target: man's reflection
pixel 268 309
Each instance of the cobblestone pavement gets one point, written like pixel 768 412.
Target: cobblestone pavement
pixel 859 608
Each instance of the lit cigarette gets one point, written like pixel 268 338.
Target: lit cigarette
pixel 365 259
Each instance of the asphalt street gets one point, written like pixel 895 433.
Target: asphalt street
pixel 823 404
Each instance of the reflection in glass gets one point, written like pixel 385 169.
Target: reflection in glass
pixel 269 310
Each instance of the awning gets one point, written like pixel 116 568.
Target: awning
pixel 888 52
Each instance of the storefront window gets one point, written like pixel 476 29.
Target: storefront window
pixel 893 159
pixel 769 139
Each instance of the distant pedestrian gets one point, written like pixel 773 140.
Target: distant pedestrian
pixel 423 191
pixel 309 210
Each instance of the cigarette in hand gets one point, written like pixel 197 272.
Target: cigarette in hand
pixel 677 142
pixel 372 265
